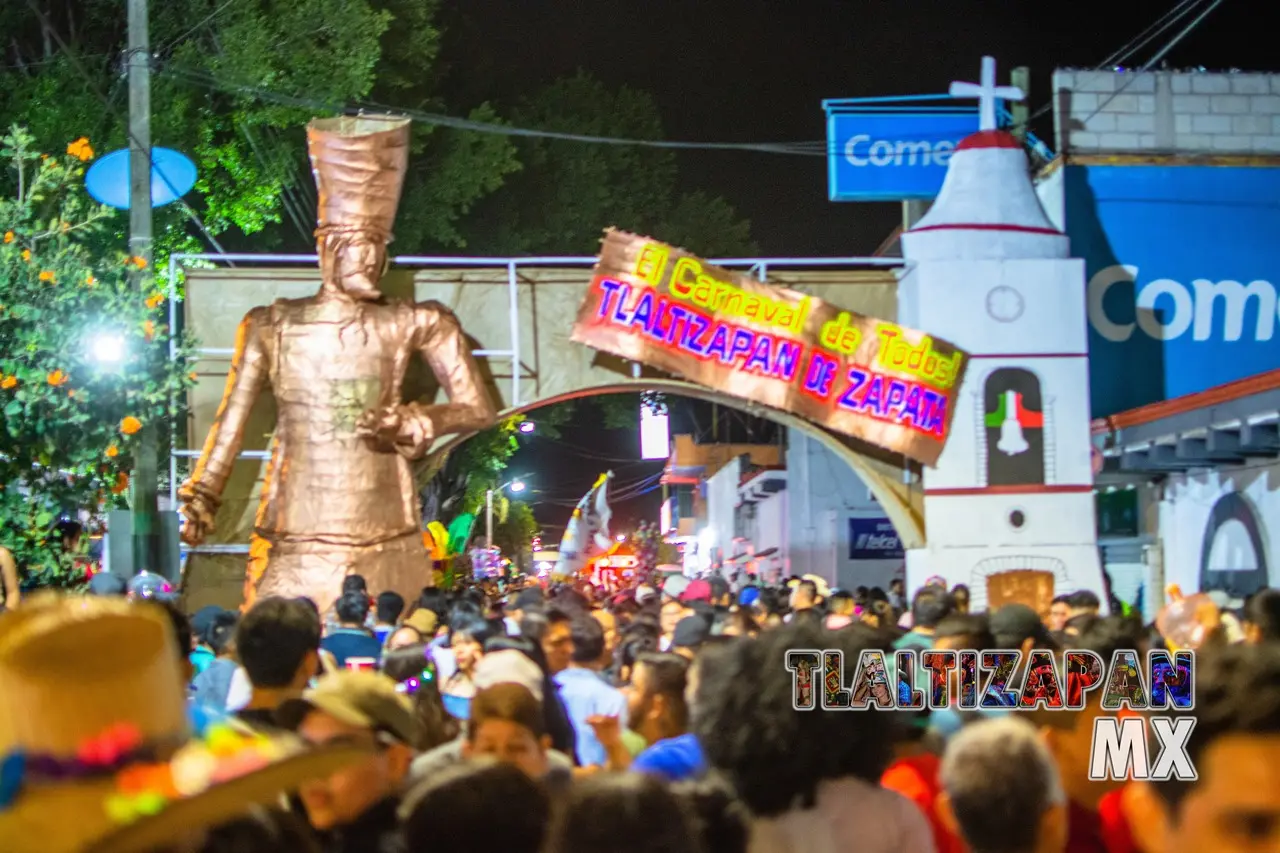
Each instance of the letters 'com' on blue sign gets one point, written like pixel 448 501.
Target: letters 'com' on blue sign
pixel 1183 277
pixel 882 153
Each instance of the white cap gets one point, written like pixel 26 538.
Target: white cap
pixel 509 667
pixel 675 585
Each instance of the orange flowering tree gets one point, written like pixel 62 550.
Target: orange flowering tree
pixel 84 355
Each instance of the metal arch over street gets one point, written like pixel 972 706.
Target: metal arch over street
pixel 518 314
pixel 903 502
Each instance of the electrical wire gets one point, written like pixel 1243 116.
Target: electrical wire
pixel 1151 32
pixel 1180 36
pixel 620 494
pixel 1150 63
pixel 803 148
pixel 203 21
pixel 1148 35
pixel 578 450
pixel 19 66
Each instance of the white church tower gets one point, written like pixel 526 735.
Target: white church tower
pixel 1009 508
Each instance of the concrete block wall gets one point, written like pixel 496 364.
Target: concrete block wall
pixel 1166 112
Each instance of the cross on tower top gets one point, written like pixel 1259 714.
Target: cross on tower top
pixel 987 93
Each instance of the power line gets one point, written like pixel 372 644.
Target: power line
pixel 801 148
pixel 1180 36
pixel 53 60
pixel 1148 35
pixel 578 450
pixel 206 19
pixel 1160 54
pixel 1151 32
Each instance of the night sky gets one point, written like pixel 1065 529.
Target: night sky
pixel 755 71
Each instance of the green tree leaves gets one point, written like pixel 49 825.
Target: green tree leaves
pixel 567 192
pixel 84 356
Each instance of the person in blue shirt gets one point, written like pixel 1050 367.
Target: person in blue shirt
pixel 658 710
pixel 586 694
pixel 387 610
pixel 211 686
pixel 350 639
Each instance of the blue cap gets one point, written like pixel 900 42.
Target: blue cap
pixel 749 596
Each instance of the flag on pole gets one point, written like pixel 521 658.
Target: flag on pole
pixel 587 533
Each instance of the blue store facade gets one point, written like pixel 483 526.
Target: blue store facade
pixel 1183 262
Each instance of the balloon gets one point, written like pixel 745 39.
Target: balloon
pixel 1187 621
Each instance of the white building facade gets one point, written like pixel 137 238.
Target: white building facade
pixel 836 528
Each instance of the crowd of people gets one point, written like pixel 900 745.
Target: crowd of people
pixel 569 719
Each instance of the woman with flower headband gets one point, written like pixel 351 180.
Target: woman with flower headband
pixel 415 673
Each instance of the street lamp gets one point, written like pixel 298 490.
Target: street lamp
pixel 107 349
pixel 517 486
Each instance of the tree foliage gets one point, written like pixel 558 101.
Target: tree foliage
pixel 567 192
pixel 233 87
pixel 480 464
pixel 69 415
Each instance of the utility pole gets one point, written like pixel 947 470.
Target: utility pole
pixel 146 530
pixel 1020 77
pixel 488 518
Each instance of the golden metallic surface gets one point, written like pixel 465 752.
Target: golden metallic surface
pixel 359 163
pixel 674 279
pixel 339 496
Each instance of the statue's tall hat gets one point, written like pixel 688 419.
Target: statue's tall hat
pixel 359 164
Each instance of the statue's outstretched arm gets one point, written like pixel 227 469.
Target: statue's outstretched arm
pixel 412 428
pixel 202 494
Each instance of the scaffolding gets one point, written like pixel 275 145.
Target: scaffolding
pixel 757 268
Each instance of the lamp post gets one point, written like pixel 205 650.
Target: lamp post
pixel 517 486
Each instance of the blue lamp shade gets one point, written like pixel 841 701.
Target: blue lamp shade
pixel 173 174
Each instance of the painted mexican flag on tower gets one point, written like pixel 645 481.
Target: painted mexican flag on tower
pixel 870 379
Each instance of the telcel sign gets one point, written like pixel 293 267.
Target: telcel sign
pixel 881 153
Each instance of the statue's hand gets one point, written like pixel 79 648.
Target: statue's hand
pixel 199 513
pixel 381 427
pixel 406 430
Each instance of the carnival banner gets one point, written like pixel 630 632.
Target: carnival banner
pixel 870 379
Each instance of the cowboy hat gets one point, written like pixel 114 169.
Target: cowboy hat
pixel 97 747
pixel 820 584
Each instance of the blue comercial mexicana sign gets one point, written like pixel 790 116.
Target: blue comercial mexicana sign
pixel 877 152
pixel 874 539
pixel 1184 272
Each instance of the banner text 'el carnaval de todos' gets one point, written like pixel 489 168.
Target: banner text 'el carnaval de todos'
pixel 870 379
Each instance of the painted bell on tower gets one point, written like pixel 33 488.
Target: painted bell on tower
pixel 1012 441
pixel 1015 434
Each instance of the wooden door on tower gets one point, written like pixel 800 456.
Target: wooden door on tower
pixel 1031 587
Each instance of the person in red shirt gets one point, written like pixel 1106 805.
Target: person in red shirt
pixel 1069 737
pixel 914 775
pixel 1115 824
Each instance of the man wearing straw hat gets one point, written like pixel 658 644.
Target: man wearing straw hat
pixel 340 496
pixel 97 751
